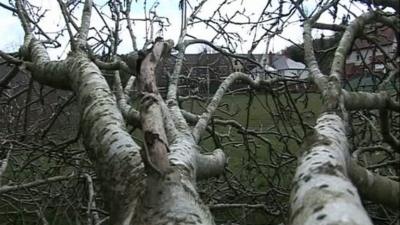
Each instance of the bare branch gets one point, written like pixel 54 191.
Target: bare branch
pixel 205 117
pixel 210 165
pixel 156 143
pixel 375 187
pixel 6 188
pixel 385 3
pixel 366 100
pixel 346 43
pixel 85 23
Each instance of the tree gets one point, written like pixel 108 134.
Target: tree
pixel 154 179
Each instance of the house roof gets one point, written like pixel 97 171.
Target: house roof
pixel 282 62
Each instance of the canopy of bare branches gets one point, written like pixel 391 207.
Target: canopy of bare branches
pixel 151 134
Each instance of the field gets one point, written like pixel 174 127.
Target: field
pixel 262 157
pixel 260 113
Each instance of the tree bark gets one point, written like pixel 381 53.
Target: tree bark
pixel 322 192
pixel 374 187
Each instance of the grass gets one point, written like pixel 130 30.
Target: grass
pixel 259 164
pixel 259 113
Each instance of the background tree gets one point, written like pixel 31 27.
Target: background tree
pixel 91 139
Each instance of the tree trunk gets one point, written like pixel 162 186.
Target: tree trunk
pixel 322 192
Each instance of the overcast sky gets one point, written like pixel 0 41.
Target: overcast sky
pixel 12 34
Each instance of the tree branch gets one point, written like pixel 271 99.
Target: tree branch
pixel 385 3
pixel 85 23
pixel 205 117
pixel 346 43
pixel 210 165
pixel 6 188
pixel 388 137
pixel 156 143
pixel 368 101
pixel 374 187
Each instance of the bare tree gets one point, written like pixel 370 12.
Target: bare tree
pixel 153 164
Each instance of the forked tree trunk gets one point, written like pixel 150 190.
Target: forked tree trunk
pixel 133 191
pixel 130 195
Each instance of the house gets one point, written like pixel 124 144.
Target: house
pixel 202 73
pixel 282 66
pixel 287 67
pixel 367 57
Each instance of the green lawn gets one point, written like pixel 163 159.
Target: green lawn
pixel 264 162
pixel 262 115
